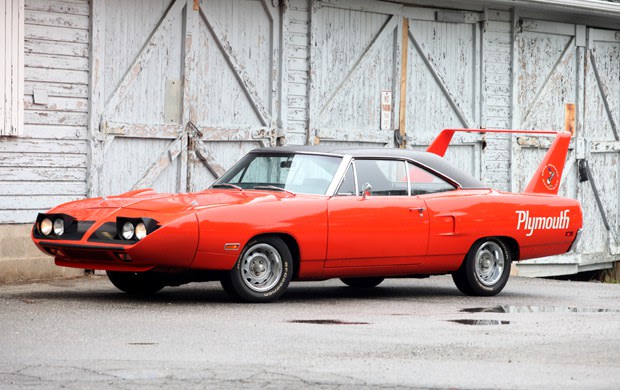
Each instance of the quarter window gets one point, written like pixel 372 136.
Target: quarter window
pixel 424 182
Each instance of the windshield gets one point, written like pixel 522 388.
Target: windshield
pixel 300 173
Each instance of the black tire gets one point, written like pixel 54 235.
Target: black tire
pixel 486 268
pixel 227 285
pixel 262 273
pixel 368 282
pixel 139 283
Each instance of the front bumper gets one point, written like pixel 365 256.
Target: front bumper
pixel 110 258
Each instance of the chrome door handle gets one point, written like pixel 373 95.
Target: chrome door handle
pixel 418 209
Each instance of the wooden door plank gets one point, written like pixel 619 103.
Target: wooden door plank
pixel 162 162
pixel 189 76
pixel 570 44
pixel 209 160
pixel 466 121
pixel 156 37
pixel 386 29
pixel 404 55
pixel 232 59
pixel 141 130
pixel 601 88
pixel 96 141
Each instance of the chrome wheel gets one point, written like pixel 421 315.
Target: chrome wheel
pixel 489 263
pixel 261 267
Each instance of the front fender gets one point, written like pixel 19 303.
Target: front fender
pixel 174 244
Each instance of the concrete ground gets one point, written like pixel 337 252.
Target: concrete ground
pixel 82 333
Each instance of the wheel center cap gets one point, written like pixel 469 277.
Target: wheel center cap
pixel 258 266
pixel 486 263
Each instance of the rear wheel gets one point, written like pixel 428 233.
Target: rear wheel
pixel 137 282
pixel 362 282
pixel 485 270
pixel 262 272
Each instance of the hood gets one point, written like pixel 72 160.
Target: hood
pixel 149 200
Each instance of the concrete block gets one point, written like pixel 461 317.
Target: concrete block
pixel 22 261
pixel 42 268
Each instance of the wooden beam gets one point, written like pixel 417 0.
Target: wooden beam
pixel 96 98
pixel 350 135
pixel 209 160
pixel 547 79
pixel 141 130
pixel 386 29
pixel 189 76
pixel 605 146
pixel 209 133
pixel 569 118
pixel 404 55
pixel 233 61
pixel 163 161
pixel 105 146
pixel 466 121
pixel 612 122
pixel 156 37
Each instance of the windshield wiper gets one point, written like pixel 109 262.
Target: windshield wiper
pixel 216 185
pixel 275 188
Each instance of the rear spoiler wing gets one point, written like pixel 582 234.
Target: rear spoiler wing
pixel 546 179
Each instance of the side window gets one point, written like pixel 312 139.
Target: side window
pixel 347 187
pixel 387 177
pixel 424 182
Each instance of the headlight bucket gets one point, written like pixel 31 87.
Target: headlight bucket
pixel 56 226
pixel 135 229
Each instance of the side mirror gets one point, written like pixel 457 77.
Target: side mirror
pixel 367 190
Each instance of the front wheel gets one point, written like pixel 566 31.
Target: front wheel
pixel 262 272
pixel 485 270
pixel 141 283
pixel 362 282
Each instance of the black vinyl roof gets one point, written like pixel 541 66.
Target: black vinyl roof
pixel 430 160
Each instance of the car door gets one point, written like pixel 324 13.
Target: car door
pixel 385 227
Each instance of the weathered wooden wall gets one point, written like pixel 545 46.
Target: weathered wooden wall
pixel 46 164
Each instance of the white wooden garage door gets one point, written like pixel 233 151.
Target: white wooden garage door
pixel 356 54
pixel 181 89
pixel 563 63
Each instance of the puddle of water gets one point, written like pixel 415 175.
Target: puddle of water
pixel 537 309
pixel 328 322
pixel 480 322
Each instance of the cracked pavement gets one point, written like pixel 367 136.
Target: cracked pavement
pixel 85 334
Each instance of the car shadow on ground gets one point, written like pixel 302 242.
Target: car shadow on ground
pixel 212 293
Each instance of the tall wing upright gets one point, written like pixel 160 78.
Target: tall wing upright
pixel 546 179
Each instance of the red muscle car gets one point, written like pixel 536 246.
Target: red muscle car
pixel 314 213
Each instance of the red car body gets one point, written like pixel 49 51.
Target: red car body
pixel 359 236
